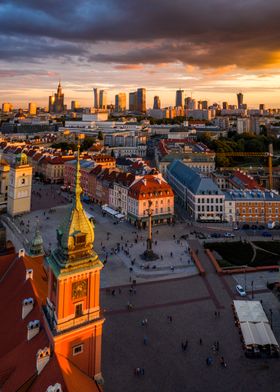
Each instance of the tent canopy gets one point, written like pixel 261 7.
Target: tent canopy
pixel 109 210
pixel 250 311
pixel 258 334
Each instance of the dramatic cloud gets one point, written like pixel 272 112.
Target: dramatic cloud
pixel 203 33
pixel 124 42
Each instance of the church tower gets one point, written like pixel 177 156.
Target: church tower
pixel 74 320
pixel 20 182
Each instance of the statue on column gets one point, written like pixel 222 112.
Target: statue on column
pixel 149 254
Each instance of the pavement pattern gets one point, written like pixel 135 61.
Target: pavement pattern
pixel 179 309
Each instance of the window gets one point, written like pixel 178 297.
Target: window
pixel 78 310
pixel 78 349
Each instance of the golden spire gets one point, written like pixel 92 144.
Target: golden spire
pixel 78 188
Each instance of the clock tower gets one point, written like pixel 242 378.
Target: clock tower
pixel 73 317
pixel 19 189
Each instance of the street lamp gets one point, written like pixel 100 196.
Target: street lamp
pixel 245 277
pixel 271 313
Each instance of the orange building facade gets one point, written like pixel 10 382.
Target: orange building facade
pixel 72 311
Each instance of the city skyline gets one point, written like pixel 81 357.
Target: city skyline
pixel 119 48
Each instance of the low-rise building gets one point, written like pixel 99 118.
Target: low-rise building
pixel 195 155
pixel 4 183
pixel 150 188
pixel 201 197
pixel 252 207
pixel 118 194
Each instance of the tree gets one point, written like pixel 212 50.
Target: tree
pixel 100 135
pixel 87 143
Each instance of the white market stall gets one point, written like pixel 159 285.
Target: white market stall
pixel 257 335
pixel 251 311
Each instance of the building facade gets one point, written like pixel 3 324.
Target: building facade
pixel 252 207
pixel 197 193
pixel 150 188
pixel 20 183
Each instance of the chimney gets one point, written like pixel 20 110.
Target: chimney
pixel 29 274
pixel 27 306
pixel 21 253
pixel 54 388
pixel 42 358
pixel 33 328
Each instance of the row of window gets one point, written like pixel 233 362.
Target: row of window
pixel 257 211
pixel 209 200
pixel 209 208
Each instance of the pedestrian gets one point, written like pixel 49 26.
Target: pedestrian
pixel 219 314
pixel 217 345
pixel 200 341
pixel 215 313
pixel 120 290
pixel 145 340
pixel 142 371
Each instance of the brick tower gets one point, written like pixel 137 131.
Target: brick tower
pixel 74 321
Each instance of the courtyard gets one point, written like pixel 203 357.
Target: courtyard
pixel 180 307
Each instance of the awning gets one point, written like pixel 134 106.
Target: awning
pixel 109 210
pixel 259 334
pixel 119 216
pixel 250 311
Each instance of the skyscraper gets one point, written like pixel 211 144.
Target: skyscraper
pixel 190 103
pixel 32 108
pixel 225 106
pixel 56 101
pixel 204 105
pixel 179 98
pixel 132 101
pixel 156 102
pixel 141 100
pixel 102 99
pixel 120 102
pixel 240 100
pixel 75 105
pixel 96 98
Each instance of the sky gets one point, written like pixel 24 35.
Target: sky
pixel 212 49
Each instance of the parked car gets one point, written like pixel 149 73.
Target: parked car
pixel 229 235
pixel 245 227
pixel 261 227
pixel 266 234
pixel 240 290
pixel 254 227
pixel 215 235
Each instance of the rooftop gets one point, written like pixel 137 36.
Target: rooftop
pixel 251 195
pixel 193 179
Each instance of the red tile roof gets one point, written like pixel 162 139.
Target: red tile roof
pixel 150 187
pixel 18 355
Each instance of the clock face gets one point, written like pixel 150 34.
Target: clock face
pixel 79 289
